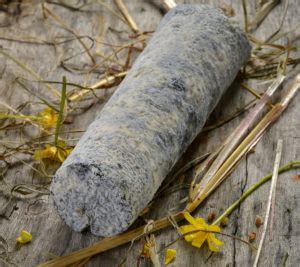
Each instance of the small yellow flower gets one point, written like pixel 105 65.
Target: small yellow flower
pixel 198 237
pixel 170 256
pixel 24 238
pixel 54 153
pixel 48 118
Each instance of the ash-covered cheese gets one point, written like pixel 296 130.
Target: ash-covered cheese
pixel 157 111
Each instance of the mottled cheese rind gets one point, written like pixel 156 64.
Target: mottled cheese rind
pixel 154 115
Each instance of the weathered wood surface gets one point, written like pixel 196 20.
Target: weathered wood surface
pixel 51 236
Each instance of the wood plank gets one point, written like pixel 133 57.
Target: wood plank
pixel 51 236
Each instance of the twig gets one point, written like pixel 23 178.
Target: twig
pixel 112 242
pixel 262 14
pixel 219 174
pixel 123 9
pixel 103 83
pixel 271 196
pixel 244 4
pixel 230 117
pixel 67 28
pixel 235 138
pixel 253 92
pixel 169 4
pixel 270 38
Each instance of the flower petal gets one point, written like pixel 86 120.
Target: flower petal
pixel 199 239
pixel 201 222
pixel 187 228
pixel 212 246
pixel 170 256
pixel 190 218
pixel 25 237
pixel 214 228
pixel 215 240
pixel 189 237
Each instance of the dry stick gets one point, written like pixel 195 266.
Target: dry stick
pixel 103 83
pixel 252 138
pixel 244 4
pixel 112 242
pixel 67 28
pixel 262 14
pixel 271 196
pixel 237 135
pixel 273 199
pixel 169 4
pixel 123 9
pixel 270 38
pixel 107 243
pixel 253 92
pixel 230 117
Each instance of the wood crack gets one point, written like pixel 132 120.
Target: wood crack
pixel 236 226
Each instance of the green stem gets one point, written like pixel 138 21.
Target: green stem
pixel 61 109
pixel 284 168
pixel 23 117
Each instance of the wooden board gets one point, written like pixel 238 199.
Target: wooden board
pixel 50 235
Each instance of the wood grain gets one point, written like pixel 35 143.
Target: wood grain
pixel 50 235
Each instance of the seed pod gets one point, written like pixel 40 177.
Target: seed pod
pixel 157 111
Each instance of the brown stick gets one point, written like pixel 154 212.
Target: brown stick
pixel 123 9
pixel 108 243
pixel 169 4
pixel 102 83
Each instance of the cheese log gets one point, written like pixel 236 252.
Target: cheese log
pixel 151 119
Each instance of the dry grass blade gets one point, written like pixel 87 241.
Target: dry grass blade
pixel 123 9
pixel 103 83
pixel 271 196
pixel 235 138
pixel 216 177
pixel 108 243
pixel 273 35
pixel 112 242
pixel 29 70
pixel 262 14
pixel 67 28
pixel 25 117
pixel 244 5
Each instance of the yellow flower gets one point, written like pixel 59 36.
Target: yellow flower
pixel 198 237
pixel 170 256
pixel 54 153
pixel 24 238
pixel 48 118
